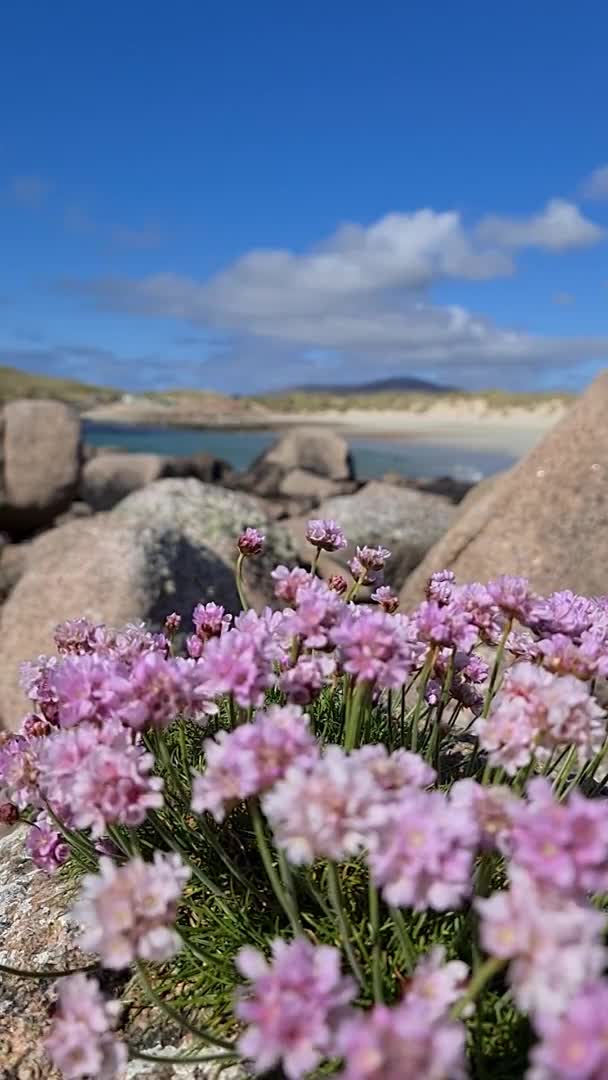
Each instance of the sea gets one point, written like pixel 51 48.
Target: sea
pixel 373 457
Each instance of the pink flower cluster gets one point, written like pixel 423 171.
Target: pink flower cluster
pixel 127 911
pixel 292 1005
pixel 325 535
pixel 250 759
pixel 46 846
pixel 574 1045
pixel 98 775
pixel 376 647
pixel 302 682
pixel 536 713
pixel 210 621
pixel 297 1008
pixel 82 1042
pixel 553 943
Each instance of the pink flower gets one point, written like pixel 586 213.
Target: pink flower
pixel 288 582
pixel 251 542
pixel 561 845
pixel 77 636
pixel 422 851
pixel 45 846
pixel 35 679
pixel 292 1006
pixel 405 1042
pixel 210 620
pixel 240 662
pixel 338 584
pixel 375 647
pixel 574 1046
pixel 127 911
pixel 437 985
pixel 477 603
pixel 386 598
pixel 444 625
pixel 392 773
pixel 160 688
pixel 585 660
pixel 554 944
pixel 513 596
pixel 19 770
pixel 320 809
pixel 368 563
pixel 172 624
pixel 325 535
pixel 88 687
pixel 440 586
pixel 493 807
pixel 250 759
pixel 562 613
pixel 316 613
pixel 82 1042
pixel 535 713
pixel 302 682
pixel 99 776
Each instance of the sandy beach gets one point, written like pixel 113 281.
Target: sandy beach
pixel 465 422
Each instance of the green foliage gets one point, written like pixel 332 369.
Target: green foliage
pixel 15 383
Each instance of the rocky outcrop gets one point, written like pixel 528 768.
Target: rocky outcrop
pixel 36 932
pixel 401 519
pixel 305 465
pixel 546 518
pixel 108 478
pixel 40 462
pixel 163 549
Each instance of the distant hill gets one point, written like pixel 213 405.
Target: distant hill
pixel 15 383
pixel 398 383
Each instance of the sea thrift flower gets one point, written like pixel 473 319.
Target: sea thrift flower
pixel 88 687
pixel 210 620
pixel 512 595
pixel 554 944
pixel 127 911
pixel 477 603
pixel 405 1042
pixel 250 759
pixel 99 776
pixel 562 613
pixel 573 1046
pixel 302 682
pixel 535 713
pixel 319 810
pixel 292 1005
pixel 241 661
pixel 437 985
pixel 493 808
pixel 172 624
pixel 19 770
pixel 77 636
pixel 393 772
pixel 440 586
pixel 46 847
pixel 386 598
pixel 82 1042
pixel 444 625
pixel 338 584
pixel 35 679
pixel 325 535
pixel 523 645
pixel 375 647
pixel 9 815
pixel 316 612
pixel 585 660
pixel 288 582
pixel 422 852
pixel 35 727
pixel 159 690
pixel 367 564
pixel 251 542
pixel 561 845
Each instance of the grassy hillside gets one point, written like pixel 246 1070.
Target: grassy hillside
pixel 23 384
pixel 316 401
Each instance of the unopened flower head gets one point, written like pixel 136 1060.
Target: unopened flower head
pixel 338 584
pixel 292 1005
pixel 386 598
pixel 172 624
pixel 127 912
pixel 325 535
pixel 251 542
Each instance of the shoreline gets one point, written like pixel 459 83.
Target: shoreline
pixel 515 430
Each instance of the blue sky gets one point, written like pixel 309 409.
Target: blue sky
pixel 245 196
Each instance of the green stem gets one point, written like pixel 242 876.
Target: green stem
pixel 402 716
pixel 315 561
pixel 335 896
pixel 495 670
pixel 487 971
pixel 166 835
pixel 240 586
pixel 230 865
pixel 561 780
pixel 355 716
pixel 175 1015
pixel 273 877
pixel 46 973
pixel 289 886
pixel 176 1059
pixel 404 938
pixel 354 589
pixel 374 921
pixel 424 678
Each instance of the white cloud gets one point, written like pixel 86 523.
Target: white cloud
pixel 559 227
pixel 596 185
pixel 364 294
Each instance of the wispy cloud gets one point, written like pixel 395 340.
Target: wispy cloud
pixel 560 226
pixel 30 191
pixel 114 236
pixel 596 185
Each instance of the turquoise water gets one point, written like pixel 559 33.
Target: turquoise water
pixel 372 457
